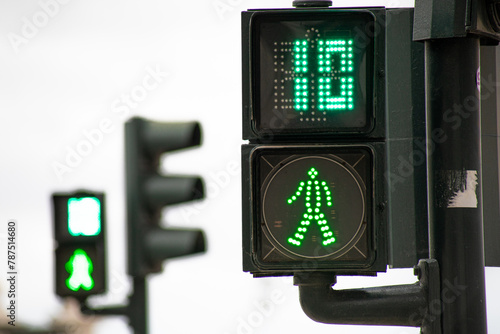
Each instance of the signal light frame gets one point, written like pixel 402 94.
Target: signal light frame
pixel 369 31
pixel 262 253
pixel 315 117
pixel 371 136
pixel 98 273
pixel 61 214
pixel 94 245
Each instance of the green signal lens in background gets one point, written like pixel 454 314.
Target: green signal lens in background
pixel 80 268
pixel 84 216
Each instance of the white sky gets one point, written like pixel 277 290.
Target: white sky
pixel 66 78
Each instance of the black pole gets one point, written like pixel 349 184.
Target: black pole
pixel 137 310
pixel 454 170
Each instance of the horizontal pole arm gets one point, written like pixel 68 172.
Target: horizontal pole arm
pixel 412 305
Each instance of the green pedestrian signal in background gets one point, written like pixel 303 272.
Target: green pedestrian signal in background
pixel 79 230
pixel 84 216
pixel 80 269
pixel 301 217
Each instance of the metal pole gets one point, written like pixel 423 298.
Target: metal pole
pixel 138 306
pixel 454 170
pixel 136 310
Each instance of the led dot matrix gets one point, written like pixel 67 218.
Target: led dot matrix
pixel 313 190
pixel 330 76
pixel 310 73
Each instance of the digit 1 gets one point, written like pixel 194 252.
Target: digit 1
pixel 301 82
pixel 327 49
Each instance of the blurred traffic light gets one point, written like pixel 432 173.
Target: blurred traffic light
pixel 84 216
pixel 79 226
pixel 148 193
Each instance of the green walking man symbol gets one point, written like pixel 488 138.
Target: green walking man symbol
pixel 317 193
pixel 79 268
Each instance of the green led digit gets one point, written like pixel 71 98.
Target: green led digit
pixel 316 193
pixel 300 68
pixel 84 216
pixel 327 70
pixel 327 49
pixel 79 268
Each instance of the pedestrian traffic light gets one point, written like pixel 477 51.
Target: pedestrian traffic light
pixel 79 229
pixel 313 112
pixel 148 192
pixel 323 164
pixel 310 207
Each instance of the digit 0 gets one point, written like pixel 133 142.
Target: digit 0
pixel 331 54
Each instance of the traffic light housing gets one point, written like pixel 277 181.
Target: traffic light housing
pixel 313 111
pixel 79 230
pixel 315 207
pixel 309 74
pixel 337 93
pixel 148 192
pixel 458 19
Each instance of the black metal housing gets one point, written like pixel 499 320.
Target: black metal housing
pixel 376 100
pixel 406 172
pixel 148 192
pixel 253 237
pixel 398 132
pixel 94 246
pixel 452 18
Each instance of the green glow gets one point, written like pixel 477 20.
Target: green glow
pixel 84 216
pixel 320 190
pixel 79 268
pixel 301 87
pixel 335 102
pixel 326 54
pixel 301 57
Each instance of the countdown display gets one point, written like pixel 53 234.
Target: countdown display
pixel 313 73
pixel 314 205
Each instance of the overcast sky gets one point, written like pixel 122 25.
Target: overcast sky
pixel 68 69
